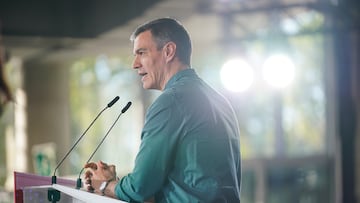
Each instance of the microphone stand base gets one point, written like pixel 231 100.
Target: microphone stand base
pixel 53 195
pixel 78 183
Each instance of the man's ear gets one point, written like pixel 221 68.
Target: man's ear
pixel 169 51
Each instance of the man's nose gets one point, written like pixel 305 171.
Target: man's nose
pixel 136 64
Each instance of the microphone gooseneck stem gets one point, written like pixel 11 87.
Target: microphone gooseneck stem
pixel 78 140
pixel 103 139
pixel 78 182
pixel 107 133
pixel 53 180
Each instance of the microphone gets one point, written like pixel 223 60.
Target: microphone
pixel 53 194
pixel 53 179
pixel 126 108
pixel 78 181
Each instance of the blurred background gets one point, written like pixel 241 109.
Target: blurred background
pixel 290 68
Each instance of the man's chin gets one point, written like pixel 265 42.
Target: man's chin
pixel 149 87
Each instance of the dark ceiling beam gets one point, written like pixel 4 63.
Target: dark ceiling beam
pixel 67 18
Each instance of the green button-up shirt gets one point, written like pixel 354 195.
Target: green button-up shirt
pixel 190 147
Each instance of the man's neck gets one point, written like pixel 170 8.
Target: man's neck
pixel 172 70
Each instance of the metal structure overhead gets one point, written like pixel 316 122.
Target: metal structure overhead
pixel 75 19
pixel 35 28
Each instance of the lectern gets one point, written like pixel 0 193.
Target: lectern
pixel 30 188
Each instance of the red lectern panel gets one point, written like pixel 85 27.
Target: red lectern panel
pixel 22 180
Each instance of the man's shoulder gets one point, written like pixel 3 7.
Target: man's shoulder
pixel 164 100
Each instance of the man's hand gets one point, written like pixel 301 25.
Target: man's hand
pixel 97 173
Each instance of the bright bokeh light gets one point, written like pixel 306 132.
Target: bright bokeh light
pixel 236 75
pixel 278 71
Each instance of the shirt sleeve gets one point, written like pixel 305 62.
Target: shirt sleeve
pixel 154 159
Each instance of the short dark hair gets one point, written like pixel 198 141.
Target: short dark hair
pixel 165 30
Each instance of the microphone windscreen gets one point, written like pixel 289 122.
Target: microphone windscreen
pixel 113 101
pixel 126 107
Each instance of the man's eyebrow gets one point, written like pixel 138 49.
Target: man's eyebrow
pixel 139 50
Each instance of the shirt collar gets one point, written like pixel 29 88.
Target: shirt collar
pixel 179 75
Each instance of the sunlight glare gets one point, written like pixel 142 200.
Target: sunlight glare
pixel 236 75
pixel 278 71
